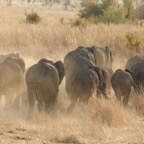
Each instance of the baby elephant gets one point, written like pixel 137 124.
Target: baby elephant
pixel 43 80
pixel 122 82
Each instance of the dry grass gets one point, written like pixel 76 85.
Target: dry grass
pixel 100 121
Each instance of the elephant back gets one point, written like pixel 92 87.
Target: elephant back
pixel 42 71
pixel 77 59
pixel 132 61
pixel 10 74
pixel 86 52
pixel 121 76
pixel 84 83
pixel 138 69
pixel 15 56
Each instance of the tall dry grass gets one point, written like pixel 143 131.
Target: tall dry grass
pixel 98 122
pixel 50 38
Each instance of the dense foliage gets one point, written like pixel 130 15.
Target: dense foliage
pixel 109 11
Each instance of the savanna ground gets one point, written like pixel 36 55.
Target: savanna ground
pixel 101 121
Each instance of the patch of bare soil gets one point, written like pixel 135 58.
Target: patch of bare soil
pixel 70 130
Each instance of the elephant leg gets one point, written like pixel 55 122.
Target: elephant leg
pixel 105 96
pixel 47 106
pixel 98 93
pixel 125 100
pixel 8 102
pixel 118 96
pixel 85 99
pixel 24 100
pixel 16 103
pixel 108 88
pixel 31 103
pixel 40 105
pixel 126 97
pixel 104 93
pixel 73 102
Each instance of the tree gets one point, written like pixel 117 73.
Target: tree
pixel 129 10
pixel 91 10
pixel 107 3
pixel 140 12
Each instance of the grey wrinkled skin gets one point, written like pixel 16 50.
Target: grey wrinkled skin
pixel 82 77
pixel 84 83
pixel 102 57
pixel 122 83
pixel 12 68
pixel 86 57
pixel 16 56
pixel 43 80
pixel 133 60
pixel 138 76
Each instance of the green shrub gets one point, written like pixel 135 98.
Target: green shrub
pixel 129 10
pixel 107 11
pixel 32 18
pixel 111 15
pixel 134 42
pixel 140 12
pixel 79 23
pixel 91 10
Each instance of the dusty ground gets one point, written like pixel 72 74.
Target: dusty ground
pixel 103 122
pixel 64 130
pixel 100 122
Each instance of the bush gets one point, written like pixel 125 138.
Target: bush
pixel 129 10
pixel 133 41
pixel 107 11
pixel 91 10
pixel 111 15
pixel 140 12
pixel 79 23
pixel 32 18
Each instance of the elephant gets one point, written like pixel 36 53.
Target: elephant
pixel 122 82
pixel 84 57
pixel 15 56
pixel 102 56
pixel 137 71
pixel 43 80
pixel 78 75
pixel 84 83
pixel 133 60
pixel 11 77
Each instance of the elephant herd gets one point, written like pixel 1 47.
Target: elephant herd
pixel 87 71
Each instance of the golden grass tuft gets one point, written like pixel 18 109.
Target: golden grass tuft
pixel 109 112
pixel 138 104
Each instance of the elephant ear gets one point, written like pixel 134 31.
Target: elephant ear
pixel 128 71
pixel 21 62
pixel 61 71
